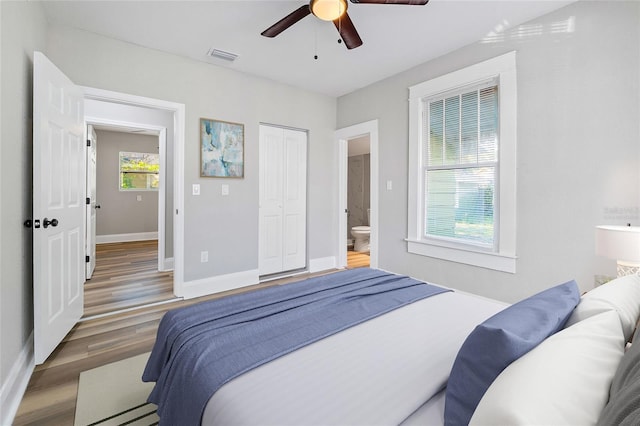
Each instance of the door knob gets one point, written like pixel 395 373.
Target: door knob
pixel 46 222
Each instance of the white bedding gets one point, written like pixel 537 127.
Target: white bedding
pixel 378 372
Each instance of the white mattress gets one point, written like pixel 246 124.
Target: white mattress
pixel 376 373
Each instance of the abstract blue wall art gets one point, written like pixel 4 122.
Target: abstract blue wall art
pixel 221 149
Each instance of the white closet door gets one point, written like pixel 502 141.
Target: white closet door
pixel 295 200
pixel 282 223
pixel 271 208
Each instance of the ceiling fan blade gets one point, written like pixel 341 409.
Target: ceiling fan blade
pixel 348 31
pixel 409 2
pixel 287 21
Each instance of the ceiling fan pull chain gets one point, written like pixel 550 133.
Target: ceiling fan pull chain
pixel 315 42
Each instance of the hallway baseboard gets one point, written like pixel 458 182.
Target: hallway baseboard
pixel 125 238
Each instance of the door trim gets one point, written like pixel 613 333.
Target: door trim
pixel 342 137
pixel 178 111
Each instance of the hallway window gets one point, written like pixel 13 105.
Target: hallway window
pixel 139 171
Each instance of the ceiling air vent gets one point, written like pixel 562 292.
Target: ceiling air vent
pixel 221 54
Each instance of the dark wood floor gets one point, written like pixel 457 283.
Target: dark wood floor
pixel 126 276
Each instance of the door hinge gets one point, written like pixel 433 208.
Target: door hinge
pixel 88 200
pixel 87 259
pixel 88 142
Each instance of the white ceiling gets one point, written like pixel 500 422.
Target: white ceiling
pixel 396 37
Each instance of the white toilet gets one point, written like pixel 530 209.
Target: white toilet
pixel 361 235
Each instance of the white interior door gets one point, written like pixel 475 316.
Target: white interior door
pixel 283 200
pixel 91 200
pixel 58 205
pixel 295 200
pixel 271 207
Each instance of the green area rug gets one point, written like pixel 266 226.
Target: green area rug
pixel 115 394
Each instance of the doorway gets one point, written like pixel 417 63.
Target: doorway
pixel 358 202
pixel 343 137
pixel 158 261
pixel 124 209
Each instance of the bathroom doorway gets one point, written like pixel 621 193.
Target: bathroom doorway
pixel 358 201
pixel 358 195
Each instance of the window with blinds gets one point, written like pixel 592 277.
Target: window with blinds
pixel 460 165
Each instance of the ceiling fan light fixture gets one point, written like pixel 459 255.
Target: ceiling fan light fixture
pixel 328 10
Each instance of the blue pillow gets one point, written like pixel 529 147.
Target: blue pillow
pixel 499 341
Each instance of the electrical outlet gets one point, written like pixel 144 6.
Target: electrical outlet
pixel 204 256
pixel 139 197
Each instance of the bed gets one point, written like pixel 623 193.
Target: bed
pixel 428 358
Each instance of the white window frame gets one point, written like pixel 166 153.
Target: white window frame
pixel 504 257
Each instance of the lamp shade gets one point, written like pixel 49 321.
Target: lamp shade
pixel 618 242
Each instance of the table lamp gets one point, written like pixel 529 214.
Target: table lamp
pixel 621 243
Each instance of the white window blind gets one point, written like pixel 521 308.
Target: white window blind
pixel 460 136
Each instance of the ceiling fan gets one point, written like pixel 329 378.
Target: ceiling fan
pixel 332 10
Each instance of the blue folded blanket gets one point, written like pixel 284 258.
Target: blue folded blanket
pixel 201 347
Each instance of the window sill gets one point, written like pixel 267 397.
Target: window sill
pixel 488 260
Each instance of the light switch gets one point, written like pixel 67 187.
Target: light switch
pixel 225 189
pixel 389 185
pixel 195 189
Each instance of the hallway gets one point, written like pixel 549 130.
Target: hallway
pixel 126 276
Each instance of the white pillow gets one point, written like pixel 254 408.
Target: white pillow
pixel 563 381
pixel 621 294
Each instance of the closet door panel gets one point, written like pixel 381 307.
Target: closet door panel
pixel 295 206
pixel 271 197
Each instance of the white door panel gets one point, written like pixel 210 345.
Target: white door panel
pixel 270 244
pixel 295 236
pixel 58 205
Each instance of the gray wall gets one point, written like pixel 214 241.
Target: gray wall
pixel 226 227
pixel 23 30
pixel 120 211
pixel 578 147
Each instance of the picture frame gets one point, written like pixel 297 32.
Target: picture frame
pixel 221 149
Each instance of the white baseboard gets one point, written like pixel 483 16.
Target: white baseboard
pixel 14 387
pixel 322 264
pixel 125 238
pixel 220 283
